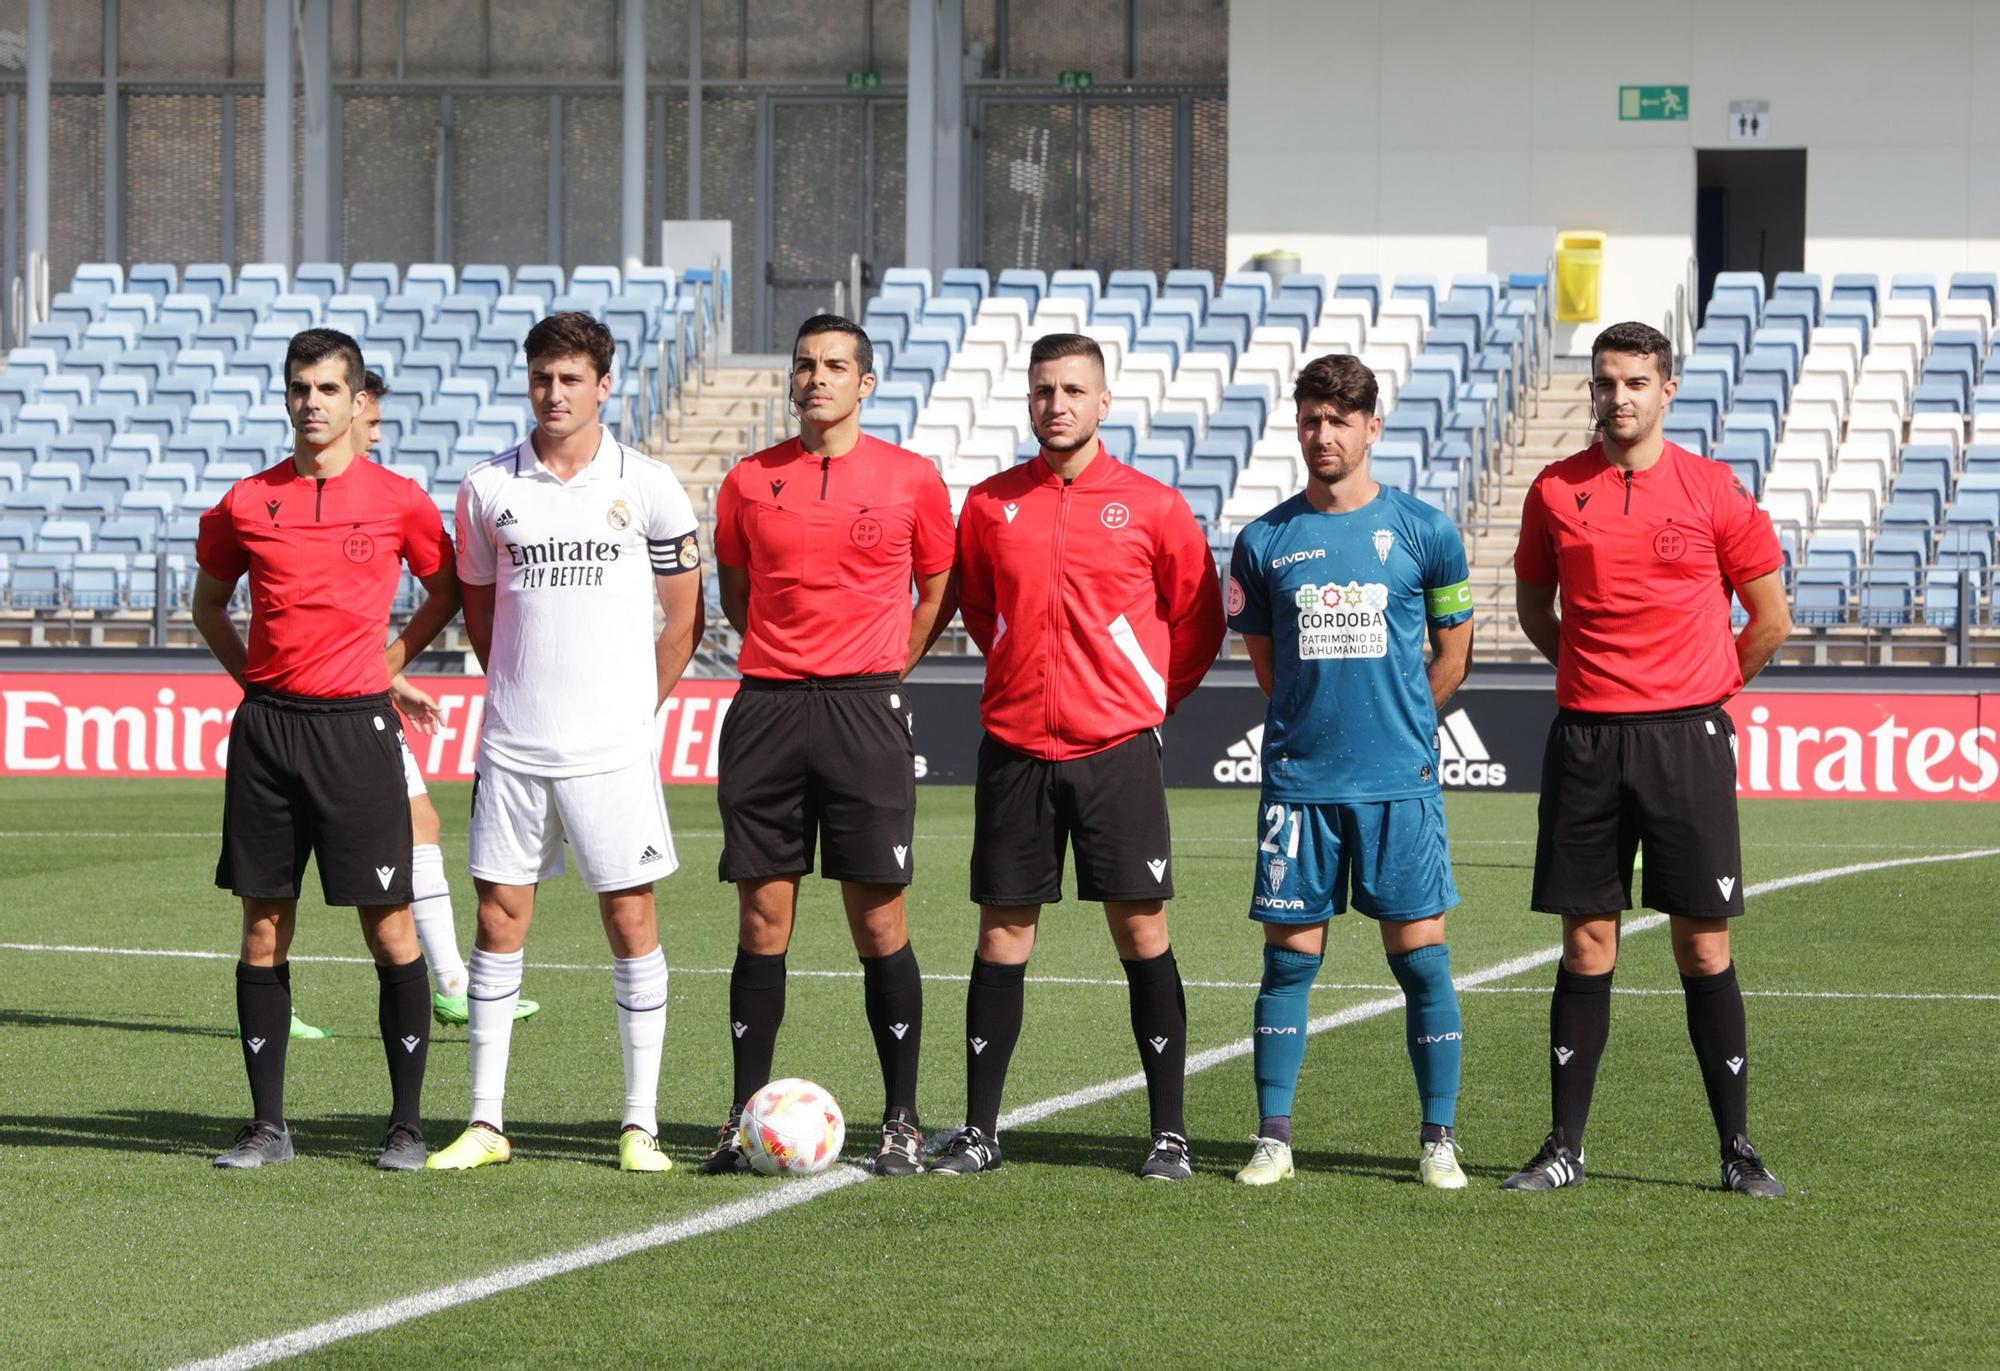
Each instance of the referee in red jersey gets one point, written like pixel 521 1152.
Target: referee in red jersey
pixel 1093 594
pixel 316 748
pixel 817 544
pixel 1644 542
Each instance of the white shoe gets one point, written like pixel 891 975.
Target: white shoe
pixel 1270 1163
pixel 1439 1166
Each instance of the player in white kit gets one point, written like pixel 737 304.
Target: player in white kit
pixel 565 545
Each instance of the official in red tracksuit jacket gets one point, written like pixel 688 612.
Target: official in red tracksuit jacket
pixel 1092 592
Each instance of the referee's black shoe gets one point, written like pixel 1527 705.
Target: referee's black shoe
pixel 969 1151
pixel 902 1146
pixel 1744 1171
pixel 1552 1168
pixel 728 1158
pixel 1169 1160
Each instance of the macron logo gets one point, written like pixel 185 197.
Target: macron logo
pixel 506 519
pixel 410 1043
pixel 1010 511
pixel 256 1046
pixel 385 874
pixel 1241 764
pixel 902 854
pixel 899 1029
pixel 739 1029
pixel 978 1045
pixel 1563 1054
pixel 1735 1065
pixel 1159 1044
pixel 1158 866
pixel 1726 884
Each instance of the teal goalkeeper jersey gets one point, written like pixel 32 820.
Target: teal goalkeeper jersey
pixel 1345 599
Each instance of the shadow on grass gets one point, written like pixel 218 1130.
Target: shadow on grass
pixel 28 1018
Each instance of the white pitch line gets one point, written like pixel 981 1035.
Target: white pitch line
pixel 382 1316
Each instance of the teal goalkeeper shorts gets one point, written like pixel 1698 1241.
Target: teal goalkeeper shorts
pixel 1393 854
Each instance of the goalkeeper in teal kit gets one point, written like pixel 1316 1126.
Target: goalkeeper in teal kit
pixel 1335 593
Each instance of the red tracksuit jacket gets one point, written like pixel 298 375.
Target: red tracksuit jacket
pixel 1095 601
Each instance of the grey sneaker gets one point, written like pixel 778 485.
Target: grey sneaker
pixel 1744 1171
pixel 902 1147
pixel 403 1149
pixel 1555 1167
pixel 968 1152
pixel 1169 1160
pixel 257 1144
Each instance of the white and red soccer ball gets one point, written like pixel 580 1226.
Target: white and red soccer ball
pixel 792 1128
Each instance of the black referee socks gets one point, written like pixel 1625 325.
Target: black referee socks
pixel 993 1010
pixel 405 1019
pixel 1159 1023
pixel 1579 1025
pixel 1716 1028
pixel 756 1008
pixel 264 1018
pixel 893 992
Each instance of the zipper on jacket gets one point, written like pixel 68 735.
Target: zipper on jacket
pixel 1628 492
pixel 825 464
pixel 1055 603
pixel 319 490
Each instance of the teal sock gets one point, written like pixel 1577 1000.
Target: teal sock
pixel 1433 1026
pixel 1283 1006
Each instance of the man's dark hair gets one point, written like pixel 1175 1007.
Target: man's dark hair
pixel 314 345
pixel 569 333
pixel 372 382
pixel 864 347
pixel 1051 347
pixel 1337 379
pixel 1640 340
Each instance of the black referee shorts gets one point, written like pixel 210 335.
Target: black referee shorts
pixel 1663 784
pixel 1110 806
pixel 322 777
pixel 831 761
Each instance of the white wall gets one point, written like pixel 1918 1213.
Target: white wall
pixel 1388 135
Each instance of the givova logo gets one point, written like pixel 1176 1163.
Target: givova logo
pixel 1462 755
pixel 1243 763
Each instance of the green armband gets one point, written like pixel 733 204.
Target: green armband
pixel 1446 601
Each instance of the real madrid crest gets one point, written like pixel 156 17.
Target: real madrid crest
pixel 619 516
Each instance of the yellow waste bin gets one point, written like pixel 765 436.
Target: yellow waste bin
pixel 1579 269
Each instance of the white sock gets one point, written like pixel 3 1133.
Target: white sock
pixel 493 988
pixel 435 929
pixel 641 987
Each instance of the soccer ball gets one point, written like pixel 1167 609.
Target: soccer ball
pixel 792 1128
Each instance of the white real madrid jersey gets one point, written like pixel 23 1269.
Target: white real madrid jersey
pixel 570 676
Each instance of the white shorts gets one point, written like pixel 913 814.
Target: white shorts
pixel 614 821
pixel 413 779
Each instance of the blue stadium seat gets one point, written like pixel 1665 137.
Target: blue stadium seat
pixel 1419 287
pixel 1077 284
pixel 1120 433
pixel 97 278
pixel 1178 428
pixel 1308 288
pixel 1254 288
pixel 213 279
pixel 430 282
pixel 322 280
pixel 973 284
pixel 1020 283
pixel 377 279
pixel 1364 286
pixel 1195 286
pixel 157 279
pixel 262 280
pixel 597 283
pixel 907 283
pixel 1915 285
pixel 1858 288
pixel 1976 285
pixel 1141 287
pixel 1798 288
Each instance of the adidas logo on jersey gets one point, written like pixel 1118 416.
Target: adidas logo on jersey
pixel 1243 764
pixel 1462 755
pixel 506 519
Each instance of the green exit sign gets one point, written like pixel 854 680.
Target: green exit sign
pixel 1075 80
pixel 863 80
pixel 1652 102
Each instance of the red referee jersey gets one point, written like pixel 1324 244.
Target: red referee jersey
pixel 1095 601
pixel 1646 562
pixel 831 544
pixel 324 558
